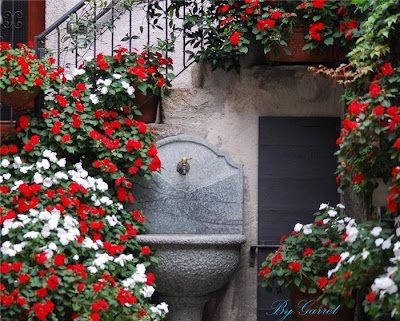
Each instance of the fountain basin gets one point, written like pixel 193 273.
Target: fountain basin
pixel 193 264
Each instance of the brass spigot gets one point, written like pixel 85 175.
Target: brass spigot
pixel 183 166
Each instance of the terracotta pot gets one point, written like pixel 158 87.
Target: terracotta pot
pixel 19 99
pixel 148 106
pixel 298 55
pixel 305 308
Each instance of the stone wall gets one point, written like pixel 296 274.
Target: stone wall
pixel 224 108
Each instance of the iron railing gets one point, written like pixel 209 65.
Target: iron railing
pixel 61 39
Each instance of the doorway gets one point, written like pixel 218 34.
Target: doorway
pixel 296 174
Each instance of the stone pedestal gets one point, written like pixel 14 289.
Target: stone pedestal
pixel 184 308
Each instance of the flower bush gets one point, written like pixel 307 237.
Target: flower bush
pixel 307 255
pixel 64 180
pixel 223 30
pixel 22 70
pixel 369 141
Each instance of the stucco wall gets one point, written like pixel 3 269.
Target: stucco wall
pixel 224 108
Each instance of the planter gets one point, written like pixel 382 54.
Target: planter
pixel 148 106
pixel 306 308
pixel 298 55
pixel 18 99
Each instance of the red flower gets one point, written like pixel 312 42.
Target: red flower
pixel 235 38
pixel 303 5
pixel 95 317
pixel 13 149
pixel 318 3
pixel 276 258
pixel 59 260
pixel 387 69
pixel 294 266
pixel 21 79
pixel 80 287
pixel 4 150
pixel 5 268
pixel 322 282
pixel 308 252
pixel 40 258
pixel 334 258
pixel 349 125
pixel 371 297
pixel 264 272
pixel 355 108
pixel 41 293
pixel 276 15
pixel 81 86
pixel 379 110
pixel 38 82
pixel 23 278
pixel 397 144
pixel 145 250
pixel 161 82
pixel 23 122
pixel 66 138
pixel 42 310
pixel 53 282
pixel 16 267
pixel 374 90
pixel 61 100
pixel 150 279
pixel 393 111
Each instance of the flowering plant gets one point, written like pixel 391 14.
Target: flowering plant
pixel 66 237
pixel 367 267
pixel 224 29
pixel 307 254
pixel 20 68
pixel 369 141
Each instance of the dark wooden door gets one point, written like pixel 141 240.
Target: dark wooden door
pixel 296 174
pixel 22 20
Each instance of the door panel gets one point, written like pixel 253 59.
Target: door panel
pixel 296 174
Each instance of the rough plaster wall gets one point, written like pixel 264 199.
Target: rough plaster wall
pixel 225 111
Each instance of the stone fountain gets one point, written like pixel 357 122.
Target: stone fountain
pixel 194 211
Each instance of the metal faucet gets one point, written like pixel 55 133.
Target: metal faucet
pixel 183 166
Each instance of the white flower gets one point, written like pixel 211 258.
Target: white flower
pixel 52 246
pixel 112 220
pixel 398 231
pixel 351 259
pixel 37 178
pixel 5 163
pixel 102 259
pixel 332 213
pixel 352 233
pixel 125 84
pixel 47 182
pixel 89 58
pixel 25 169
pixel 387 244
pixel 104 90
pixel 31 235
pixel 99 81
pixel 307 229
pixel 17 162
pixel 130 90
pixel 344 256
pixel 376 231
pixel 323 206
pixel 117 76
pixel 92 269
pixel 364 254
pixel 62 162
pixel 298 227
pixel 147 291
pixel 378 242
pixel 384 283
pixel 123 258
pixel 6 176
pixel 94 99
pixel 45 164
pixel 340 206
pixel 107 82
pixel 76 257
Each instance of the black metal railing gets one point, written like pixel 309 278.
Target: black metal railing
pixel 61 39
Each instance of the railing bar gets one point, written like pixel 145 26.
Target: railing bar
pixel 12 24
pixel 59 21
pixel 58 46
pixel 148 23
pixel 185 68
pixel 184 35
pixel 130 30
pixel 112 27
pixel 76 43
pixel 94 28
pixel 166 38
